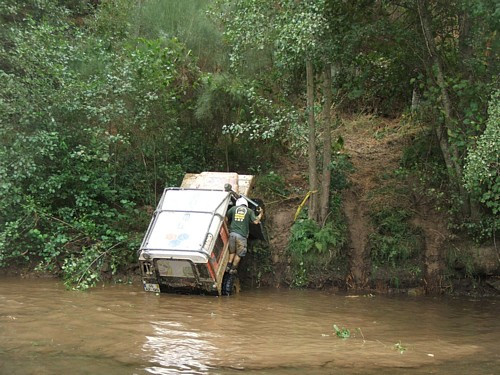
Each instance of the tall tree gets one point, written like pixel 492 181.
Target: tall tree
pixel 327 144
pixel 449 151
pixel 313 178
pixel 297 33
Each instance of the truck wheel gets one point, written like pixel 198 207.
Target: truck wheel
pixel 230 285
pixel 236 286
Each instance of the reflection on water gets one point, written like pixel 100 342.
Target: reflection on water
pixel 177 350
pixel 45 329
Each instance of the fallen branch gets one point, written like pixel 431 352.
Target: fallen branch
pixel 283 200
pixel 95 260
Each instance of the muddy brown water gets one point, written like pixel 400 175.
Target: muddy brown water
pixel 46 329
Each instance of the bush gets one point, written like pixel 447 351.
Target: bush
pixel 93 126
pixel 394 242
pixel 340 167
pixel 481 174
pixel 272 185
pixel 316 253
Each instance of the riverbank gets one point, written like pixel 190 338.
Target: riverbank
pixel 399 236
pixel 488 287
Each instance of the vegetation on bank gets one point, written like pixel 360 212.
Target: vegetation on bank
pixel 104 103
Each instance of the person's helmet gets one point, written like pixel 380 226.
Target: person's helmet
pixel 241 202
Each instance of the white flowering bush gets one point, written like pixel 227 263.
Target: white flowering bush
pixel 482 177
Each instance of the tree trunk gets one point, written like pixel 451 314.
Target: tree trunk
pixel 327 146
pixel 465 52
pixel 450 153
pixel 313 178
pixel 464 27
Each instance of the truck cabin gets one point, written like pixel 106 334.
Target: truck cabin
pixel 185 246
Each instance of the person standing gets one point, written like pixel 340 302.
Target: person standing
pixel 239 218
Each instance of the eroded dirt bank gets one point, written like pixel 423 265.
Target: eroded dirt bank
pixel 375 147
pixel 371 156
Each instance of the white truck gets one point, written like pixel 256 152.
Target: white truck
pixel 185 248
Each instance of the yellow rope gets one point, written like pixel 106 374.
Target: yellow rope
pixel 303 203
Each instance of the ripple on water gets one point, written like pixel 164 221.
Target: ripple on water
pixel 122 330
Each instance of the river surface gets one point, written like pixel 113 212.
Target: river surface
pixel 119 329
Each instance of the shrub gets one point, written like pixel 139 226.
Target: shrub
pixel 272 185
pixel 93 126
pixel 481 174
pixel 394 241
pixel 316 252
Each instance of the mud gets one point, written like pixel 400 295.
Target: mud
pixel 359 229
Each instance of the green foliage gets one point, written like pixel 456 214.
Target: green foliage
pixel 308 237
pixel 394 241
pixel 272 185
pixel 482 176
pixel 401 348
pixel 245 25
pixel 343 33
pixel 481 230
pixel 239 109
pixel 252 125
pixel 471 97
pixel 423 169
pixel 29 10
pixel 316 251
pixel 94 125
pixel 342 333
pixel 423 153
pixel 460 259
pixel 187 21
pixel 340 167
pixel 463 32
pixel 259 263
pixel 112 21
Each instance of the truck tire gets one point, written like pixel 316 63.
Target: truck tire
pixel 230 285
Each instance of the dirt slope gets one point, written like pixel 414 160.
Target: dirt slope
pixel 371 156
pixel 375 147
pixel 281 212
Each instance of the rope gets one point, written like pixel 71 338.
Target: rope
pixel 303 203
